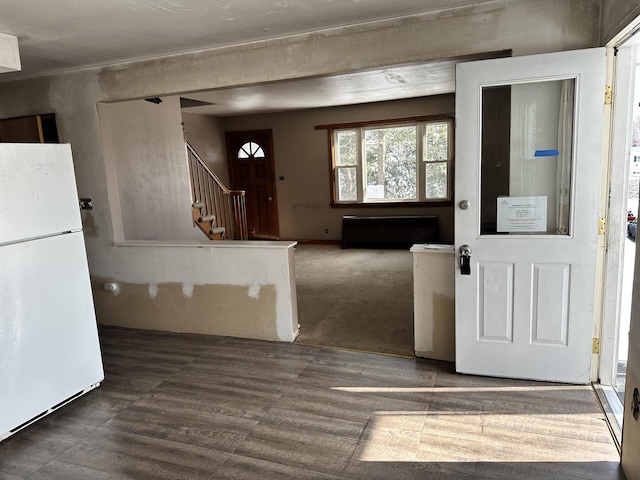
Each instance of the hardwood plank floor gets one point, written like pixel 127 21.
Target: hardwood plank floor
pixel 202 407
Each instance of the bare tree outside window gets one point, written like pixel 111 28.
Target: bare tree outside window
pixel 374 164
pixel 390 157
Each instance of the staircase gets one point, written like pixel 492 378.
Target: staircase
pixel 207 223
pixel 219 212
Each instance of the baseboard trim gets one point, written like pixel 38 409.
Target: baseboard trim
pixel 318 242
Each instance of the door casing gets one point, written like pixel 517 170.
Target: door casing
pixel 255 175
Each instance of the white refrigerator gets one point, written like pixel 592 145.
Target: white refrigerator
pixel 49 348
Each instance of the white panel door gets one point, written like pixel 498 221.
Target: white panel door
pixel 528 153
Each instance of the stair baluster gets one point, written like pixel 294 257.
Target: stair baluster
pixel 219 212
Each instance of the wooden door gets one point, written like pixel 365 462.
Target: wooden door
pixel 250 156
pixel 526 238
pixel 31 129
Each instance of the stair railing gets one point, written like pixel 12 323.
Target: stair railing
pixel 228 206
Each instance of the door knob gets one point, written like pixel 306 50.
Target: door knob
pixel 465 260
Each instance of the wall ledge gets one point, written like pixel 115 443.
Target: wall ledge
pixel 253 244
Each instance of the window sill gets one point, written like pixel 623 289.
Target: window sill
pixel 442 203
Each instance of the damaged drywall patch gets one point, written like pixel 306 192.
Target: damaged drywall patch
pixel 254 291
pixel 187 289
pixel 211 309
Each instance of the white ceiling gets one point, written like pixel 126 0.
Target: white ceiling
pixel 63 35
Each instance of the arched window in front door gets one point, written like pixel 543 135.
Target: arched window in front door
pixel 251 150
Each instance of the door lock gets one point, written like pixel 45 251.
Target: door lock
pixel 465 259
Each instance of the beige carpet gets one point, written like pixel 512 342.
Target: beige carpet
pixel 360 299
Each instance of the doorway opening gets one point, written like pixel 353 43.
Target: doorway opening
pixel 251 166
pixel 624 176
pixel 627 253
pixel 355 298
pixel 30 129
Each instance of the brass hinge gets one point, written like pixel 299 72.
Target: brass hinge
pixel 595 345
pixel 602 225
pixel 608 93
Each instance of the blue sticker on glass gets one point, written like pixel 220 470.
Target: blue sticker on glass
pixel 546 153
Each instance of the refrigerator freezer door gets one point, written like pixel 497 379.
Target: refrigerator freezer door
pixel 49 348
pixel 38 189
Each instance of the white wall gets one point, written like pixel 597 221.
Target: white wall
pixel 146 152
pixel 241 289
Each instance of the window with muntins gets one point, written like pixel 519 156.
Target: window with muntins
pixel 251 150
pixel 400 162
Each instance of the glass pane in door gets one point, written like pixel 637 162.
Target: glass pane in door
pixel 526 158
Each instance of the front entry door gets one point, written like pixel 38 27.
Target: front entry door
pixel 528 149
pixel 250 155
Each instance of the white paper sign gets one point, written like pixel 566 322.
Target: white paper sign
pixel 522 214
pixel 375 191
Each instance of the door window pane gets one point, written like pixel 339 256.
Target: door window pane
pixel 526 158
pixel 251 150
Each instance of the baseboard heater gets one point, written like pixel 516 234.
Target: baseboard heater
pixel 388 231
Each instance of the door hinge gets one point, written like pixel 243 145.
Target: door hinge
pixel 608 93
pixel 595 345
pixel 602 225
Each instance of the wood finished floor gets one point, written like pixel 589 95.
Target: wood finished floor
pixel 202 407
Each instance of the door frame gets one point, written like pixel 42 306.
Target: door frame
pixel 621 68
pixel 272 208
pixel 622 73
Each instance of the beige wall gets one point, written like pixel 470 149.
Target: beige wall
pixel 206 136
pixel 616 15
pixel 524 26
pixel 302 157
pixel 241 289
pixel 145 145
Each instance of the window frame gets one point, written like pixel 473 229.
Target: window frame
pixel 421 163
